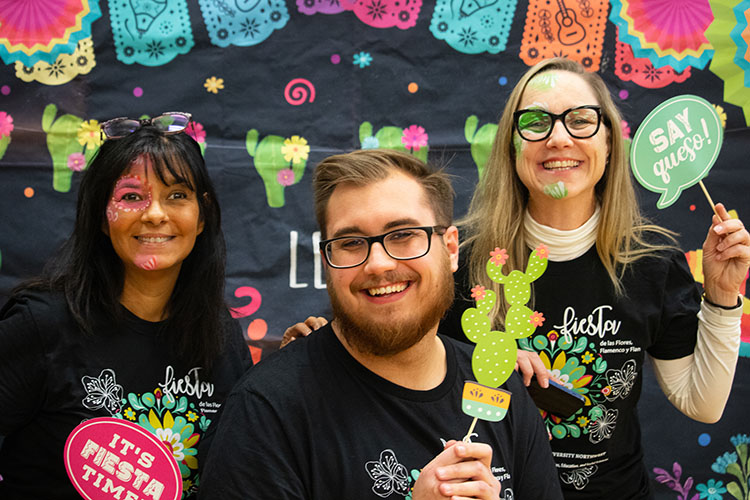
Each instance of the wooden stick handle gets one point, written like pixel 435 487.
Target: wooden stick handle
pixel 708 197
pixel 467 437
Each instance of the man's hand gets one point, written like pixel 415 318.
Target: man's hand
pixel 460 471
pixel 303 329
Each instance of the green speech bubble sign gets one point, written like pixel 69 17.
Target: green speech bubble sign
pixel 675 146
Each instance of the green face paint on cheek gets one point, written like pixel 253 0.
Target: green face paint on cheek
pixel 557 191
pixel 517 143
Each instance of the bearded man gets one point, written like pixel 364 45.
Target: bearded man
pixel 370 405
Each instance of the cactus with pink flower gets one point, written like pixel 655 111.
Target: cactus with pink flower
pixel 495 353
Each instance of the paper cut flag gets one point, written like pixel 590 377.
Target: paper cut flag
pixel 494 357
pixel 730 36
pixel 42 30
pixel 670 32
pixel 676 146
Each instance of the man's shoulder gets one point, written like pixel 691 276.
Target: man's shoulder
pixel 290 367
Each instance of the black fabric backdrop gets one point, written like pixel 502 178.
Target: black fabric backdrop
pixel 359 73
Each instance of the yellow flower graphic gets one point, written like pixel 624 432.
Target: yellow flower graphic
pixel 295 149
pixel 588 357
pixel 192 416
pixel 722 115
pixel 214 84
pixel 89 134
pixel 582 422
pixel 129 414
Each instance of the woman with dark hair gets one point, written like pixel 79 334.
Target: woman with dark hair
pixel 129 319
pixel 616 287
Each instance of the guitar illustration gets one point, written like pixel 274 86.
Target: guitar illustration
pixel 570 31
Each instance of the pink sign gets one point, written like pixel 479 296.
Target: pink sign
pixel 108 458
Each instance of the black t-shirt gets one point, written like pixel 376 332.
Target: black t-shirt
pixel 53 377
pixel 594 342
pixel 325 427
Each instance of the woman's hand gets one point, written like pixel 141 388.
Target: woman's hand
pixel 303 329
pixel 529 364
pixel 726 258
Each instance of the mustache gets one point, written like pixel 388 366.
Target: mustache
pixel 387 278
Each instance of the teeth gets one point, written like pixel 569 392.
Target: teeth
pixel 153 239
pixel 400 287
pixel 561 164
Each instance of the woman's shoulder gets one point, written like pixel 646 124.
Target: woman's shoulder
pixel 38 302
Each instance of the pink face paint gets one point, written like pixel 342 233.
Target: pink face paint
pixel 130 194
pixel 147 262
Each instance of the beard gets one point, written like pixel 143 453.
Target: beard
pixel 389 336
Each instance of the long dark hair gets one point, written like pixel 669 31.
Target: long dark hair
pixel 90 274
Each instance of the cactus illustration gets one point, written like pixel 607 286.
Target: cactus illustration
pixel 71 142
pixel 481 141
pixel 279 161
pixel 495 353
pixel 407 140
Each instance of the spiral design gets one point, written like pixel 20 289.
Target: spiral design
pixel 299 91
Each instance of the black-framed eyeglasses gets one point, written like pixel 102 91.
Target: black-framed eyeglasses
pixel 536 124
pixel 170 122
pixel 401 244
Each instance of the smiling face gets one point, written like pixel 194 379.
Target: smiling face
pixel 560 167
pixel 152 225
pixel 385 306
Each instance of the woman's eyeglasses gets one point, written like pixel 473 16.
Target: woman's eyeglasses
pixel 536 124
pixel 171 122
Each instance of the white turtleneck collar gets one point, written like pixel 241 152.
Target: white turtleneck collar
pixel 563 245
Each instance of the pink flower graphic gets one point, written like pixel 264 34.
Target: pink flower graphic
pixel 195 130
pixel 6 124
pixel 285 177
pixel 536 318
pixel 478 292
pixel 414 137
pixel 625 129
pixel 552 335
pixel 499 256
pixel 76 162
pixel 542 251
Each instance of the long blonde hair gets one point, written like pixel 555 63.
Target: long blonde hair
pixel 496 213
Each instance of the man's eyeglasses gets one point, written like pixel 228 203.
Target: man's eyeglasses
pixel 536 124
pixel 400 244
pixel 168 123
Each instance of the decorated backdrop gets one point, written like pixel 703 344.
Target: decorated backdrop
pixel 274 86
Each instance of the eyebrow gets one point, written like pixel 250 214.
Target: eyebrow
pixel 352 230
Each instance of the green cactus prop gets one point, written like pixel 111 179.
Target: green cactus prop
pixel 71 142
pixel 280 162
pixel 481 141
pixel 495 353
pixel 391 138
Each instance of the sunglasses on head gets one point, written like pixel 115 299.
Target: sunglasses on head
pixel 171 122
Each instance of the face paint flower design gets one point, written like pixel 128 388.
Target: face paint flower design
pixel 130 194
pixel 389 475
